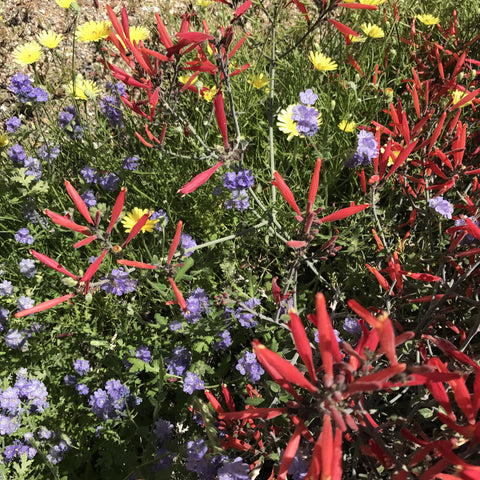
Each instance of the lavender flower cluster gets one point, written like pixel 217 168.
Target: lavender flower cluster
pixel 22 87
pixel 163 431
pixel 119 282
pixel 197 304
pixel 218 467
pixel 306 116
pixel 107 181
pixel 244 317
pixel 111 105
pixel 33 165
pixel 367 150
pixel 443 207
pixel 248 365
pixel 237 184
pixel 112 401
pixel 69 121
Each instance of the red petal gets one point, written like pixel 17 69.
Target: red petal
pixel 358 6
pixel 133 263
pixel 117 209
pixel 50 262
pixel 136 229
pixel 219 107
pixel 78 201
pixel 344 213
pixel 279 182
pixel 67 223
pixel 162 31
pixel 290 452
pixel 302 343
pixel 178 295
pixel 175 241
pixel 93 268
pixel 143 140
pixel 44 306
pixel 296 244
pixel 343 29
pixel 241 10
pixel 381 279
pixel 194 37
pixel 200 179
pixel 290 373
pixel 312 192
pixel 85 241
pixel 265 413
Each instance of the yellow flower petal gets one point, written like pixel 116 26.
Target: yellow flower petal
pixel 372 2
pixel 83 89
pixel 64 3
pixel 208 93
pixel 259 81
pixel 322 62
pixel 428 19
pixel 93 31
pixel 372 31
pixel 131 218
pixel 28 53
pixel 49 39
pixel 347 126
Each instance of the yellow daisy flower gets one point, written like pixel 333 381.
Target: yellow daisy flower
pixel 457 95
pixel 286 124
pixel 185 77
pixel 322 62
pixel 259 81
pixel 49 39
pixel 347 126
pixel 137 34
pixel 372 31
pixel 131 218
pixel 28 53
pixel 204 3
pixel 93 31
pixel 428 19
pixel 209 92
pixel 3 140
pixel 83 89
pixel 64 3
pixel 357 38
pixel 372 2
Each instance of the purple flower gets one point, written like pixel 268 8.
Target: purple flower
pixel 308 97
pixel 244 179
pixel 21 86
pixel 27 267
pixel 162 460
pixel 367 150
pixel 230 181
pixel 443 207
pixel 235 470
pixel 175 325
pixel 130 163
pixel 23 236
pixel 187 242
pixel 306 119
pixel 82 389
pixel 8 425
pixel 69 121
pixel 245 318
pixel 143 353
pixel 111 402
pixel 39 94
pixel 197 303
pixel 110 107
pixel 57 452
pixel 109 182
pixel 48 152
pixel 16 340
pixel 6 288
pixel 89 174
pixel 34 393
pixel 163 430
pixel 119 282
pixel 10 400
pixel 13 124
pixel 351 325
pixel 33 167
pixel 225 342
pixel 89 197
pixel 179 362
pixel 44 434
pixel 118 89
pixel 468 238
pixel 17 153
pixel 81 366
pixel 25 302
pixel 70 380
pixel 241 199
pixel 248 365
pixel 162 218
pixel 17 449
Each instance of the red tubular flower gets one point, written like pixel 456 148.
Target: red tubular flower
pixel 78 201
pixel 50 262
pixel 344 30
pixel 219 107
pixel 178 295
pixel 133 263
pixel 91 270
pixel 312 191
pixel 44 306
pixel 302 343
pixel 67 223
pixel 176 239
pixel 200 179
pixel 136 229
pixel 117 209
pixel 287 194
pixel 358 6
pixel 343 213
